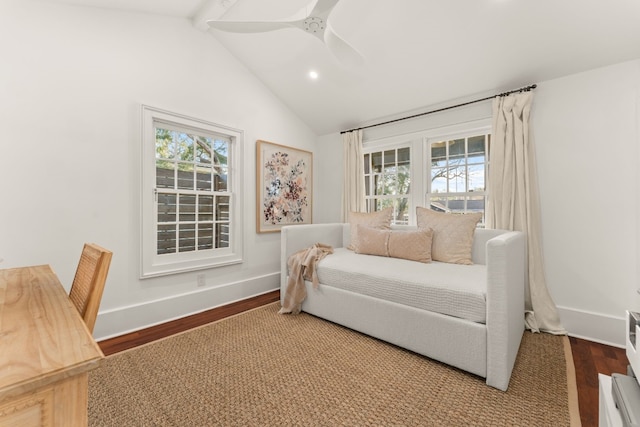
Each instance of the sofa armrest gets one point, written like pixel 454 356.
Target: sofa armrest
pixel 294 238
pixel 505 305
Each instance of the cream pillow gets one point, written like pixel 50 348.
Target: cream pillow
pixel 410 245
pixel 452 234
pixel 380 220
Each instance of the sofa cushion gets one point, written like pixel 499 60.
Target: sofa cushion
pixel 449 289
pixel 452 234
pixel 412 245
pixel 379 219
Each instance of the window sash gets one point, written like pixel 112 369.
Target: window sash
pixel 450 164
pixel 187 182
pixel 388 181
pixel 206 224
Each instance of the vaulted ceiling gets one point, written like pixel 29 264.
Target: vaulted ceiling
pixel 417 53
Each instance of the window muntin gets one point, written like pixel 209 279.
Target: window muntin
pixel 387 175
pixel 458 170
pixel 191 194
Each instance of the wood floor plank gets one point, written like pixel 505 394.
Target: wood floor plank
pixel 589 358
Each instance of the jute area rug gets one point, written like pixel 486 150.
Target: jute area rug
pixel 260 368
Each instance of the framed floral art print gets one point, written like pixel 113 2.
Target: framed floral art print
pixel 283 186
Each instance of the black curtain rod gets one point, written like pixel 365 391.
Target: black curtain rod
pixel 522 89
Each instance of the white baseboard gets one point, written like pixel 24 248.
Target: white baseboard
pixel 591 326
pixel 123 320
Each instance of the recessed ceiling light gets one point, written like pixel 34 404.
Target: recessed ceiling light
pixel 313 75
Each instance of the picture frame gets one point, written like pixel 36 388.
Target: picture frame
pixel 284 186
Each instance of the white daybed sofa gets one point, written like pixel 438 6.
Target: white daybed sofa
pixel 470 316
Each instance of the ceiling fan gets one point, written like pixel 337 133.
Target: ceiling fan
pixel 315 23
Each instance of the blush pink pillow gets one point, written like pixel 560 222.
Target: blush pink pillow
pixel 411 245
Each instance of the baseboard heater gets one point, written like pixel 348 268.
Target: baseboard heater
pixel 626 394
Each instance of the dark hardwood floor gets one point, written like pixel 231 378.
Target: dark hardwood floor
pixel 144 336
pixel 589 358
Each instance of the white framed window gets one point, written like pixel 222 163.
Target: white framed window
pixel 387 177
pixel 191 201
pixel 444 169
pixel 458 169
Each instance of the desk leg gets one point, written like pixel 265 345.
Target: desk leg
pixel 72 401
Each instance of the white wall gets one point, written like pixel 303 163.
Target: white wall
pixel 587 136
pixel 72 81
pixel 586 130
pixel 328 186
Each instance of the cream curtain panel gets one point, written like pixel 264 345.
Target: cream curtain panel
pixel 514 201
pixel 353 191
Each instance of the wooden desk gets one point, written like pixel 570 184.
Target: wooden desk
pixel 46 351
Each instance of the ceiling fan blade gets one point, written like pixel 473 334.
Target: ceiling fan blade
pixel 343 51
pixel 323 7
pixel 248 27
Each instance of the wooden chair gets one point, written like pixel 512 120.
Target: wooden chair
pixel 88 283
